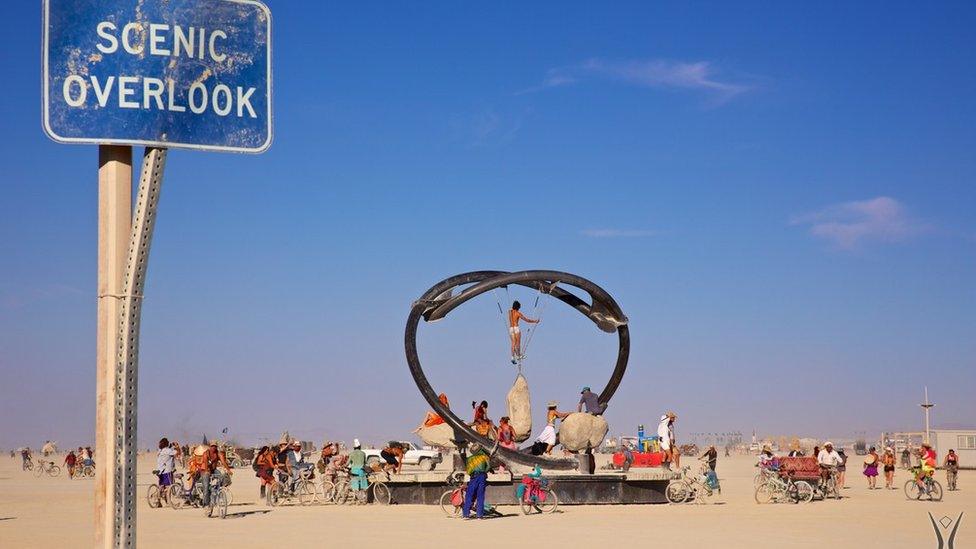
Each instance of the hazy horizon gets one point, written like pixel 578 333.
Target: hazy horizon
pixel 781 198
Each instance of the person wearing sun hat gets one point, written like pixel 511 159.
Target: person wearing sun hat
pixel 357 468
pixel 545 442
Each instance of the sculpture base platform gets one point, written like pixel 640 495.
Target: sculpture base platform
pixel 639 486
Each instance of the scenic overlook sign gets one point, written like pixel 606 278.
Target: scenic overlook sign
pixel 177 73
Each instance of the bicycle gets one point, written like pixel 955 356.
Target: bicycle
pixel 28 465
pixel 302 488
pixel 219 501
pixel 930 487
pixel 46 467
pixel 537 495
pixel 452 500
pixel 952 472
pixel 827 485
pixel 378 491
pixel 156 494
pixel 689 488
pixel 779 490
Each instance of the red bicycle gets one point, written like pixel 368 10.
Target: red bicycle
pixel 536 495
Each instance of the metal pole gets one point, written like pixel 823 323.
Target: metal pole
pixel 926 407
pixel 114 217
pixel 127 364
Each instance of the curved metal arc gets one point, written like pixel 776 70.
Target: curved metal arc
pixel 603 311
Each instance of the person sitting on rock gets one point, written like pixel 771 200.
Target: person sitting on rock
pixel 506 434
pixel 592 402
pixel 433 418
pixel 482 423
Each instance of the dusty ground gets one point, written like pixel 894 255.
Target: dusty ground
pixel 57 512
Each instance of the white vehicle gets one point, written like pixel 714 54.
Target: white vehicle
pixel 424 458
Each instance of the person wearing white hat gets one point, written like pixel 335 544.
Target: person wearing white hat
pixel 357 468
pixel 829 460
pixel 665 432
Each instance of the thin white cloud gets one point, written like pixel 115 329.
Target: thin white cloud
pixel 652 73
pixel 848 225
pixel 617 233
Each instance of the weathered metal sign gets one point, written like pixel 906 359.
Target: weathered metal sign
pixel 165 73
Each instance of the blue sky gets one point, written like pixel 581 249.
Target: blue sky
pixel 780 197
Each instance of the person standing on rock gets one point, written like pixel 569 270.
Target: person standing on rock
pixel 548 440
pixel 592 402
pixel 665 431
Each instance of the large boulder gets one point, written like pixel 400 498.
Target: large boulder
pixel 438 436
pixel 520 409
pixel 580 431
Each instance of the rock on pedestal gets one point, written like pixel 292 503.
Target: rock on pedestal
pixel 581 431
pixel 438 436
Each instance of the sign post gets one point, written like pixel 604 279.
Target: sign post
pixel 114 207
pixel 190 74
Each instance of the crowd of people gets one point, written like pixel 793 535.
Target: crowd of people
pixel 833 462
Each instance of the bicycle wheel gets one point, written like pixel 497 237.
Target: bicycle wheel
pixel 935 491
pixel 88 471
pixel 912 490
pixel 549 503
pixel 381 493
pixel 54 471
pixel 447 504
pixel 343 494
pixel 276 494
pixel 152 496
pixel 765 493
pixel 177 496
pixel 221 503
pixel 804 492
pixel 677 492
pixel 305 492
pixel 327 492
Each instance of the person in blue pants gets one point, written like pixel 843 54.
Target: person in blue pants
pixel 477 468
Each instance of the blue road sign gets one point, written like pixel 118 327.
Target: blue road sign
pixel 166 73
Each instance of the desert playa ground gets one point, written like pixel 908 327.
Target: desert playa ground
pixel 57 512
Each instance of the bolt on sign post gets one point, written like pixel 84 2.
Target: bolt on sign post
pixel 164 74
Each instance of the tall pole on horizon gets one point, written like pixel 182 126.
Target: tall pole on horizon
pixel 926 406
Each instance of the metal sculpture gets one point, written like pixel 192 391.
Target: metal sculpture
pixel 441 299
